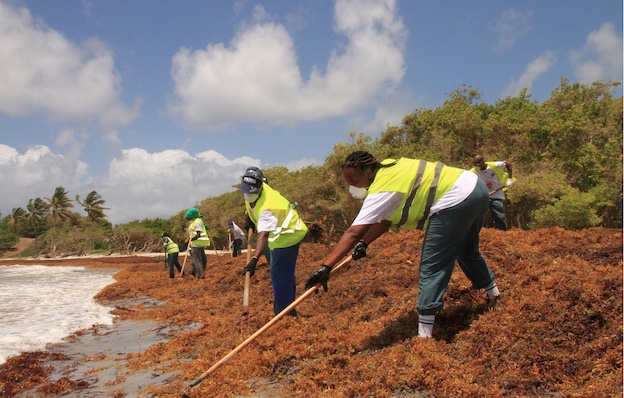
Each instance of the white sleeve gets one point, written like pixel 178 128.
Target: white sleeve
pixel 378 207
pixel 502 164
pixel 267 221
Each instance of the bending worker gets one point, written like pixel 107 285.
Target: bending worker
pixel 279 226
pixel 498 176
pixel 171 255
pixel 447 202
pixel 238 236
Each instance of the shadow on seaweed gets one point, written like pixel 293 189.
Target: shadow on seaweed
pixel 400 329
pixel 455 319
pixel 449 323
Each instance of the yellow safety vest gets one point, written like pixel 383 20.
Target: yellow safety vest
pixel 290 228
pixel 420 182
pixel 170 246
pixel 203 236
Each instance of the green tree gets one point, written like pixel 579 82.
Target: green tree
pixel 59 205
pixel 16 219
pixel 37 213
pixel 93 205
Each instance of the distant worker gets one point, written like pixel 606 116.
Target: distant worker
pixel 237 238
pixel 279 226
pixel 498 176
pixel 446 202
pixel 171 255
pixel 198 241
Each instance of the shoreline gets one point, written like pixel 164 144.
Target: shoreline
pixel 99 361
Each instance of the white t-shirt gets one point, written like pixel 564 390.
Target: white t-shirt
pixel 489 177
pixel 237 232
pixel 381 205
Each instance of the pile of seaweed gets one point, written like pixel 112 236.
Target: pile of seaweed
pixel 556 331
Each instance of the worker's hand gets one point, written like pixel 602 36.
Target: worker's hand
pixel 509 182
pixel 321 276
pixel 251 266
pixel 359 250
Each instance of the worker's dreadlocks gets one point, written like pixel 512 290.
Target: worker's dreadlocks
pixel 362 160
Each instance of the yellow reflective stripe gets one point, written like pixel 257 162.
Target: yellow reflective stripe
pixel 282 228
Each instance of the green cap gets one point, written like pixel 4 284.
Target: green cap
pixel 191 213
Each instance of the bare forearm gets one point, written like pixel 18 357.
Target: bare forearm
pixel 376 231
pixel 261 242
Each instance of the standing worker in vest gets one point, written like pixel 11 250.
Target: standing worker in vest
pixel 198 241
pixel 447 202
pixel 237 238
pixel 172 251
pixel 498 176
pixel 279 226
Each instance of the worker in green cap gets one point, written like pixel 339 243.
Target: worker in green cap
pixel 198 241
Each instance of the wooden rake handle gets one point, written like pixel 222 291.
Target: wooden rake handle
pixel 264 328
pixel 247 276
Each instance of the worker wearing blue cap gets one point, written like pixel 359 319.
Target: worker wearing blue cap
pixel 279 226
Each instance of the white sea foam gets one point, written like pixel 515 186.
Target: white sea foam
pixel 43 304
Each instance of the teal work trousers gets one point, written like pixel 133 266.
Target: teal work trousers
pixel 453 234
pixel 498 214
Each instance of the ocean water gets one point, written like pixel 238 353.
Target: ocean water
pixel 43 304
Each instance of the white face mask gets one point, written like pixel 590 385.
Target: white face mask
pixel 358 193
pixel 251 197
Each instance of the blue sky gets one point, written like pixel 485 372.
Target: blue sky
pixel 157 104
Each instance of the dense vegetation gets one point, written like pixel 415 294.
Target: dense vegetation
pixel 566 154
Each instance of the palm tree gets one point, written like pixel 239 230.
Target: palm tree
pixel 94 207
pixel 37 212
pixel 16 219
pixel 59 205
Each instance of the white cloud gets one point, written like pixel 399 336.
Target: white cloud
pixel 531 73
pixel 601 57
pixel 42 71
pixel 139 184
pixel 36 173
pixel 149 185
pixel 510 27
pixel 256 79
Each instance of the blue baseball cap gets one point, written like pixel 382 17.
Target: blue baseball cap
pixel 251 181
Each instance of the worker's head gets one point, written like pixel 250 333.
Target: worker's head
pixel 230 223
pixel 191 213
pixel 479 162
pixel 164 235
pixel 358 171
pixel 251 184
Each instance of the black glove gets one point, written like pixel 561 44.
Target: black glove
pixel 359 250
pixel 251 267
pixel 321 276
